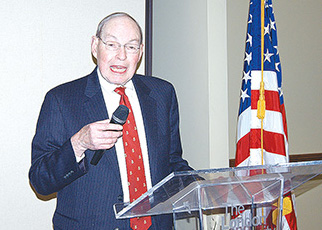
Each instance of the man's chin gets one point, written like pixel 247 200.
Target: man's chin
pixel 118 80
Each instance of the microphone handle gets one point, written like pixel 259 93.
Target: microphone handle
pixel 97 156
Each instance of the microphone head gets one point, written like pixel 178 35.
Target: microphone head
pixel 120 115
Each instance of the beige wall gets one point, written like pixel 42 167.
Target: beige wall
pixel 42 43
pixel 174 39
pixel 186 44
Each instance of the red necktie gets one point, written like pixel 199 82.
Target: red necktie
pixel 134 161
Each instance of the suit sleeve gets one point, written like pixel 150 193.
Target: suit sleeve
pixel 54 164
pixel 177 163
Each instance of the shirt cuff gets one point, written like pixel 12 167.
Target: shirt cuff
pixel 78 159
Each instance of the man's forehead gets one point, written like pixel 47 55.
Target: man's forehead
pixel 111 27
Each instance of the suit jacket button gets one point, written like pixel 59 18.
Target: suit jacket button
pixel 120 197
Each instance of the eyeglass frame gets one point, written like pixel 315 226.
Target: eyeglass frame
pixel 118 46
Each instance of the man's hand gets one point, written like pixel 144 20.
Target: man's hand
pixel 95 136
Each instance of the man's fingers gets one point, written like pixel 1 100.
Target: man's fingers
pixel 98 135
pixel 105 125
pixel 110 134
pixel 114 127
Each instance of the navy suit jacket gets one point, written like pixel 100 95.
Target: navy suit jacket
pixel 86 193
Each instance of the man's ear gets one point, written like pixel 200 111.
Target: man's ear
pixel 141 50
pixel 94 46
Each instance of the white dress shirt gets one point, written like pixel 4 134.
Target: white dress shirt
pixel 112 100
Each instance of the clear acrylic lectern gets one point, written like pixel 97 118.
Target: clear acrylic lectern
pixel 243 197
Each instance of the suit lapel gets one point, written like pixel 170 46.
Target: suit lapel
pixel 149 113
pixel 94 104
pixel 96 110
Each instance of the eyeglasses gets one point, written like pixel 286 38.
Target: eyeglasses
pixel 115 46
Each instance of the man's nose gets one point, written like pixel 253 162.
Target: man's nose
pixel 121 53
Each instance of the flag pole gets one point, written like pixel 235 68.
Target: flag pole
pixel 261 101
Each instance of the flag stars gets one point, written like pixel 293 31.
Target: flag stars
pixel 266 29
pixel 277 51
pixel 276 66
pixel 244 95
pixel 280 91
pixel 248 57
pixel 246 76
pixel 250 18
pixel 249 39
pixel 268 56
pixel 272 23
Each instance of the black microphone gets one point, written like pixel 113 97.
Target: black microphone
pixel 119 117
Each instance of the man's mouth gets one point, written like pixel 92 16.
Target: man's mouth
pixel 118 69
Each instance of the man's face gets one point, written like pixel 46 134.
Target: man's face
pixel 117 67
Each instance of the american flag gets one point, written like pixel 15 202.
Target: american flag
pixel 275 147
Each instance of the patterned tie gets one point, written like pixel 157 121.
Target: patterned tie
pixel 134 161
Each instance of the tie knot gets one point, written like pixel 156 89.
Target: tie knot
pixel 120 90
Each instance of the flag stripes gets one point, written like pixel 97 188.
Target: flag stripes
pixel 273 122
